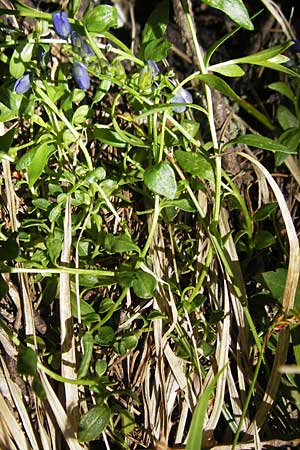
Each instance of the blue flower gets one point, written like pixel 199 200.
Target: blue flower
pixel 154 67
pixel 23 84
pixel 182 96
pixel 61 24
pixel 79 45
pixel 81 75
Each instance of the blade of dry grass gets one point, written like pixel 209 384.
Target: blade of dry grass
pixel 287 302
pixel 68 351
pixel 20 406
pixel 60 415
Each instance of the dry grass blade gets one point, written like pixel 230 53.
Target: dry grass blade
pixel 221 359
pixel 68 355
pixel 279 16
pixel 287 302
pixel 11 427
pixel 58 411
pixel 20 406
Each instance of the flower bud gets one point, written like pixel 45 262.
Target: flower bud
pixel 80 46
pixel 61 24
pixel 80 75
pixel 182 96
pixel 23 84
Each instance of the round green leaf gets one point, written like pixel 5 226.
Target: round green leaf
pixel 161 180
pixel 27 362
pixel 93 423
pixel 195 164
pixel 101 18
pixel 105 336
pixel 144 284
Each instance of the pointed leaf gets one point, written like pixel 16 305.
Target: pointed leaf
pixel 195 164
pixel 120 244
pixel 93 423
pixel 230 70
pixel 258 141
pixel 235 9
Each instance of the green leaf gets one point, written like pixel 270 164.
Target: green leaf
pixel 80 115
pixel 144 284
pixel 157 23
pixel 195 164
pixel 264 212
pixel 27 362
pixel 263 239
pixel 157 49
pixel 126 344
pixel 93 423
pixel 85 308
pixel 275 282
pixel 20 57
pixel 9 249
pixel 264 56
pixel 38 388
pixel 109 137
pixel 100 367
pixel 87 342
pixel 161 180
pixel 106 305
pixel 235 9
pixel 230 70
pixel 105 336
pixel 258 141
pixel 194 441
pixel 120 244
pixel 95 280
pixel 101 18
pixel 291 139
pixel 9 105
pixel 38 162
pixel 283 89
pixel 286 118
pixel 184 204
pixel 6 140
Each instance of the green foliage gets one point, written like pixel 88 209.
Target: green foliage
pixel 162 234
pixel 93 423
pixel 101 18
pixel 235 9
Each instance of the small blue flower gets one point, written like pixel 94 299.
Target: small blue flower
pixel 182 96
pixel 79 45
pixel 76 40
pixel 61 24
pixel 23 84
pixel 154 67
pixel 81 75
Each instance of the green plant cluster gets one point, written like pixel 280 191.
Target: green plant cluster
pixel 132 155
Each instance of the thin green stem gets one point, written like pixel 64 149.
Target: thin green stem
pixel 61 379
pixel 248 398
pixel 50 271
